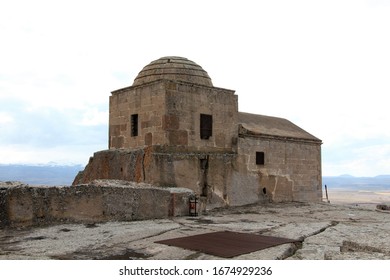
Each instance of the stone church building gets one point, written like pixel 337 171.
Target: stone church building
pixel 173 128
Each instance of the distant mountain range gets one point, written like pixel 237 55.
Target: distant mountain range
pixel 53 174
pixel 381 182
pixel 40 174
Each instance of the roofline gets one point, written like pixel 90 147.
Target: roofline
pixel 174 81
pixel 244 133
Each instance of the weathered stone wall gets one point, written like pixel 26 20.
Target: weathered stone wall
pixel 3 207
pixel 291 172
pixel 206 174
pixel 169 114
pixel 99 201
pixel 146 101
pixel 185 103
pixel 120 164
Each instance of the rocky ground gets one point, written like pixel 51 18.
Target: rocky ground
pixel 324 231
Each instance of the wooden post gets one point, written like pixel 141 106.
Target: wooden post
pixel 326 192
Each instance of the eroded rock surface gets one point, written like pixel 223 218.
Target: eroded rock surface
pixel 324 231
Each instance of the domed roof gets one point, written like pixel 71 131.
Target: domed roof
pixel 173 68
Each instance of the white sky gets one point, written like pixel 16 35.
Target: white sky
pixel 324 65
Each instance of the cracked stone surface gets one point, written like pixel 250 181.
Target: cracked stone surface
pixel 324 231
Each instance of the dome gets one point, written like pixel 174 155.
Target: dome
pixel 173 68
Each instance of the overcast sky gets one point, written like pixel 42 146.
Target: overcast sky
pixel 324 65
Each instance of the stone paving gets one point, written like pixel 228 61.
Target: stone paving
pixel 324 231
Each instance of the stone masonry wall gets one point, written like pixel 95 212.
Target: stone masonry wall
pixel 206 174
pixel 149 103
pixel 120 164
pixel 292 170
pixel 185 103
pixel 169 114
pixel 99 201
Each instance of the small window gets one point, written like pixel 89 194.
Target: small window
pixel 206 126
pixel 134 125
pixel 204 164
pixel 260 158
